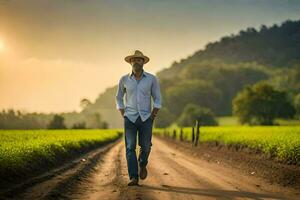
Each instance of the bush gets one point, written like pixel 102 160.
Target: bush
pixel 260 104
pixel 193 112
pixel 297 104
pixel 79 125
pixel 57 122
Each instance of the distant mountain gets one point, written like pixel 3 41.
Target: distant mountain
pixel 276 46
pixel 105 105
pixel 212 77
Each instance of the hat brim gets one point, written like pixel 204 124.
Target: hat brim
pixel 146 59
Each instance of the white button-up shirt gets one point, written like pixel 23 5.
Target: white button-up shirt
pixel 138 95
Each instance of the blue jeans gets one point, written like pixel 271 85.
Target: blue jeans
pixel 144 140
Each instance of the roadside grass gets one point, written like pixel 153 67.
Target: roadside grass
pixel 281 142
pixel 25 152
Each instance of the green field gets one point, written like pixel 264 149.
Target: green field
pixel 233 121
pixel 282 142
pixel 23 151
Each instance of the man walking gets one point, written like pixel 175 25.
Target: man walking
pixel 139 86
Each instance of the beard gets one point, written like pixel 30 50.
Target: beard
pixel 137 66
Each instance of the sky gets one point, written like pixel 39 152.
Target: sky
pixel 54 53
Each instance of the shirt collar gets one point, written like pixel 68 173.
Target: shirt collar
pixel 131 73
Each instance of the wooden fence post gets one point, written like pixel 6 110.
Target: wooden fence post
pixel 197 133
pixel 174 134
pixel 181 134
pixel 193 134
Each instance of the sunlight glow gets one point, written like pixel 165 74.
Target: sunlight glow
pixel 2 47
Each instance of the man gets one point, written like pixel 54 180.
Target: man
pixel 139 86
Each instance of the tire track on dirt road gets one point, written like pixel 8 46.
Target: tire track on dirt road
pixel 172 174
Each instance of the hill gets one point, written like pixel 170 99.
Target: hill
pixel 213 76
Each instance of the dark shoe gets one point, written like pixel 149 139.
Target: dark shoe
pixel 143 172
pixel 133 181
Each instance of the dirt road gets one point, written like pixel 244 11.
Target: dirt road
pixel 171 175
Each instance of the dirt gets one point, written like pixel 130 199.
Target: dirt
pixel 38 167
pixel 248 161
pixel 175 171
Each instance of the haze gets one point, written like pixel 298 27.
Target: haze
pixel 54 53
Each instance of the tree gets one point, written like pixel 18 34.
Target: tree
pixel 79 125
pixel 192 91
pixel 261 104
pixel 57 122
pixel 297 104
pixel 98 121
pixel 193 112
pixel 164 118
pixel 84 103
pixel 95 121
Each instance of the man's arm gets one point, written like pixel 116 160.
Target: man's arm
pixel 119 97
pixel 155 91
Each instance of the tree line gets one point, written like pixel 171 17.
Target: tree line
pixel 15 119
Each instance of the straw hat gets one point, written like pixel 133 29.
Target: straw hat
pixel 139 54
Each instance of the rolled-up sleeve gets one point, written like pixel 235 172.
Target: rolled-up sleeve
pixel 155 91
pixel 120 95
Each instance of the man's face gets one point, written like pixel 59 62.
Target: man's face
pixel 137 63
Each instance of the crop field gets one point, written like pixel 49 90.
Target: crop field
pixel 281 142
pixel 22 151
pixel 233 121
